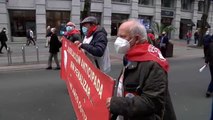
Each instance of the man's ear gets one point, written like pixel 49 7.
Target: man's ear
pixel 137 39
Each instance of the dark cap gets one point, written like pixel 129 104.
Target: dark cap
pixel 90 19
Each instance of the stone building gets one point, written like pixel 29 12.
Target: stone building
pixel 19 15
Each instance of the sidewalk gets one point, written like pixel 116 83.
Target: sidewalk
pixel 181 50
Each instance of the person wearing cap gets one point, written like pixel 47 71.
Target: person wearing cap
pixel 95 43
pixel 72 33
pixel 3 39
pixel 164 40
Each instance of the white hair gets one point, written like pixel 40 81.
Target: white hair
pixel 138 29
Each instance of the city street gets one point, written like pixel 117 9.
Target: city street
pixel 33 93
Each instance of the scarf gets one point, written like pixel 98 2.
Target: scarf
pixel 75 31
pixel 147 52
pixel 91 31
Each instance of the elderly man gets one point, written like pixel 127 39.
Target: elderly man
pixel 142 88
pixel 55 45
pixel 95 43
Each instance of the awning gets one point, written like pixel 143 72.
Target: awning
pixel 199 24
pixel 188 22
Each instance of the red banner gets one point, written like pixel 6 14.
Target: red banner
pixel 88 87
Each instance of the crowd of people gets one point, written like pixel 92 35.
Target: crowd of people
pixel 139 101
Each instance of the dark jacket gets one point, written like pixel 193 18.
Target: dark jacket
pixel 209 54
pixel 49 33
pixel 54 44
pixel 98 44
pixel 3 36
pixel 152 101
pixel 207 40
pixel 164 39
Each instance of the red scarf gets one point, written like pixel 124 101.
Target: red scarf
pixel 147 52
pixel 91 31
pixel 72 32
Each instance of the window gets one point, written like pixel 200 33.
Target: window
pixel 145 2
pixel 97 15
pixel 20 21
pixel 167 3
pixel 124 1
pixel 58 19
pixel 201 6
pixel 186 4
pixel 117 19
pixel 145 20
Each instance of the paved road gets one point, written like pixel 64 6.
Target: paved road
pixel 32 93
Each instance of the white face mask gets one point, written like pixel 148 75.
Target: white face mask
pixel 121 45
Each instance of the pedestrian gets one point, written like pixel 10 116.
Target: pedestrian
pixel 164 40
pixel 30 37
pixel 72 33
pixel 188 36
pixel 55 44
pixel 151 37
pixel 207 39
pixel 196 37
pixel 142 87
pixel 95 43
pixel 48 36
pixel 209 61
pixel 3 39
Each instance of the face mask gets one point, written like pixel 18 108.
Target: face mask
pixel 69 28
pixel 84 30
pixel 121 45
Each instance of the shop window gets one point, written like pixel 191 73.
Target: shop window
pixel 117 19
pixel 145 2
pixel 186 4
pixel 167 3
pixel 145 20
pixel 124 1
pixel 201 6
pixel 58 19
pixel 20 21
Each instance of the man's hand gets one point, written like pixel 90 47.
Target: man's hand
pixel 77 43
pixel 108 102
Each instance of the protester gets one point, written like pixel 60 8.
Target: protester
pixel 95 44
pixel 188 36
pixel 151 36
pixel 196 37
pixel 164 40
pixel 142 88
pixel 55 44
pixel 30 37
pixel 72 33
pixel 48 36
pixel 3 39
pixel 209 60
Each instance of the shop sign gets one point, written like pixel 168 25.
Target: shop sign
pixel 167 13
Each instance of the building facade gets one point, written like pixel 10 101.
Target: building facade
pixel 19 15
